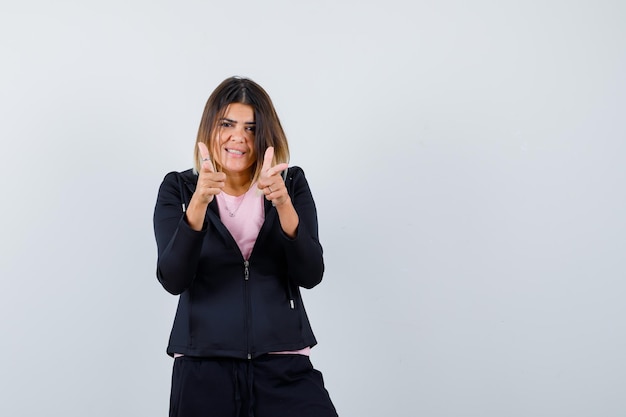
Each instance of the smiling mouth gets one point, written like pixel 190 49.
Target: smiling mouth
pixel 234 151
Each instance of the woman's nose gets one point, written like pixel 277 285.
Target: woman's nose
pixel 239 134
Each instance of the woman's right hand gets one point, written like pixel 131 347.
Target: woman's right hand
pixel 209 184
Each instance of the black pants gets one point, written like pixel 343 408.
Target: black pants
pixel 269 386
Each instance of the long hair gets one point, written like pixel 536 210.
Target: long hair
pixel 268 130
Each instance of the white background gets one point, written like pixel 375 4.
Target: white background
pixel 468 160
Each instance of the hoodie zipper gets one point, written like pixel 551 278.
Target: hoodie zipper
pixel 246 278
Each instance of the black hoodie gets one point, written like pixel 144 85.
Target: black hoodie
pixel 230 307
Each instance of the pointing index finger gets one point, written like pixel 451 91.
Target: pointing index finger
pixel 277 168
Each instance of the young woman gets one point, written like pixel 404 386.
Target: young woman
pixel 237 237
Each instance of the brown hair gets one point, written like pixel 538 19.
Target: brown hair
pixel 268 130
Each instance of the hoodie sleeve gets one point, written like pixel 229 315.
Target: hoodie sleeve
pixel 178 245
pixel 305 263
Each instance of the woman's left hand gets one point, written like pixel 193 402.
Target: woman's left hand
pixel 271 182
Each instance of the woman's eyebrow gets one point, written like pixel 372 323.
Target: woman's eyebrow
pixel 235 121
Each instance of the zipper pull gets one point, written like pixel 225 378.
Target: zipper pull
pixel 246 272
pixel 292 304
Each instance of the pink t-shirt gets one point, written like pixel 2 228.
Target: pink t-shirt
pixel 243 216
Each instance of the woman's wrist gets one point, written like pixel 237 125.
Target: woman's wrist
pixel 196 213
pixel 288 218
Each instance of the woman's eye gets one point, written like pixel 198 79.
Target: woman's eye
pixel 251 129
pixel 226 124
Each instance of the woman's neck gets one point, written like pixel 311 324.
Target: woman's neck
pixel 237 183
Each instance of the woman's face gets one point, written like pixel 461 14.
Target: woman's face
pixel 235 139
